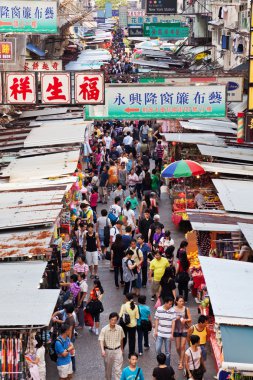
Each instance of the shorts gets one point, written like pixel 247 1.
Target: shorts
pixel 92 258
pixel 180 334
pixel 101 235
pixel 102 191
pixel 155 287
pixel 96 317
pixel 65 370
pixel 203 351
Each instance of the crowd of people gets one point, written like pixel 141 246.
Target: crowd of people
pixel 118 219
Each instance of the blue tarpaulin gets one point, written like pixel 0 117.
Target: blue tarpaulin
pixel 36 50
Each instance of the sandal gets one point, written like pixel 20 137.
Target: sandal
pixel 180 366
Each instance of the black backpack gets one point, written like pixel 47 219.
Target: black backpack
pixel 52 353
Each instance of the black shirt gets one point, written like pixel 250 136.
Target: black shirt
pixel 166 373
pixel 144 226
pixel 103 179
pixel 167 287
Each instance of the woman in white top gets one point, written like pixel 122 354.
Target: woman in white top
pixel 40 358
pixel 102 222
pixel 130 215
pixel 194 360
pixel 132 180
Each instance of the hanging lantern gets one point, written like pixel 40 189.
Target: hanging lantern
pixel 174 143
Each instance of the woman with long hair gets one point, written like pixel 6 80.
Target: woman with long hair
pixel 147 184
pixel 140 174
pixel 130 329
pixel 182 275
pixel 117 254
pixel 182 323
pixel 145 204
pixel 168 286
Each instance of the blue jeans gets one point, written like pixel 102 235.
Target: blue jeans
pixel 167 345
pixel 141 335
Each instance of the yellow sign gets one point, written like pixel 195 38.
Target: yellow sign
pixel 250 101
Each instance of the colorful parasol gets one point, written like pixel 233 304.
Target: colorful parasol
pixel 182 168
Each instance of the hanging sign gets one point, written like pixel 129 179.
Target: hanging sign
pixel 160 102
pixel 47 65
pixel 161 6
pixel 55 88
pixel 20 88
pixel 140 19
pixel 89 88
pixel 6 51
pixel 166 30
pixel 28 16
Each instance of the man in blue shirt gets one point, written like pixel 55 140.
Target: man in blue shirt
pixel 132 372
pixel 144 247
pixel 63 347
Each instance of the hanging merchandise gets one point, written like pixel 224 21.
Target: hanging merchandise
pixel 12 360
pixel 204 242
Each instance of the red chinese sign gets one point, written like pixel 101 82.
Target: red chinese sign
pixel 55 88
pixel 89 88
pixel 20 88
pixel 6 51
pixel 47 65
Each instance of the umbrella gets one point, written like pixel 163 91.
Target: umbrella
pixel 182 168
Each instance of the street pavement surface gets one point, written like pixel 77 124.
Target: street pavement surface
pixel 89 362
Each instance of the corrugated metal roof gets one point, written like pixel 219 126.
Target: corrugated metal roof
pixel 247 230
pixel 225 122
pixel 218 167
pixel 43 183
pixel 242 154
pixel 67 116
pixel 195 138
pixel 235 195
pixel 25 304
pixel 38 167
pixel 47 150
pixel 58 132
pixel 237 107
pixel 228 283
pixel 25 243
pixel 27 198
pixel 44 111
pixel 207 128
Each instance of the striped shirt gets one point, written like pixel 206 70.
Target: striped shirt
pixel 165 318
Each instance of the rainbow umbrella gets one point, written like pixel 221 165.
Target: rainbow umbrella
pixel 182 168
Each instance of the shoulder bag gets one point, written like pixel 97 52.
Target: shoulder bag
pixel 197 373
pixel 136 377
pixel 124 319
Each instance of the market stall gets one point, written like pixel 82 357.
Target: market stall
pixel 233 315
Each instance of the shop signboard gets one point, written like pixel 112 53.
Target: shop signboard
pixel 6 51
pixel 20 88
pixel 123 16
pixel 135 31
pixel 152 80
pixel 137 18
pixel 89 88
pixel 249 127
pixel 161 6
pixel 28 16
pixel 47 65
pixel 55 88
pixel 166 30
pixel 160 102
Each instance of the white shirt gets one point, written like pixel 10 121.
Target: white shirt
pixel 196 356
pixel 108 141
pixel 40 354
pixel 115 209
pixel 130 215
pixel 123 159
pixel 113 232
pixel 166 243
pixel 84 289
pixel 128 140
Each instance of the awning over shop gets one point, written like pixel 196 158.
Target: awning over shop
pixel 235 195
pixel 233 169
pixel 218 23
pixel 217 220
pixel 237 107
pixel 231 335
pixel 34 49
pixel 241 154
pixel 24 304
pixel 247 230
pixel 228 283
pixel 207 128
pixel 195 138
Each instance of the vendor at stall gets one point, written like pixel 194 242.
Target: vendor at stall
pixel 199 199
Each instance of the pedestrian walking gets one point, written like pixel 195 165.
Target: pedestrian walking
pixel 129 271
pixel 117 255
pixel 144 324
pixel 130 328
pixel 63 347
pixel 168 285
pixel 82 298
pixel 165 317
pixel 132 372
pixel 138 260
pixel 111 344
pixel 157 269
pixel 92 246
pixel 182 275
pixel 194 363
pixel 163 372
pixel 145 249
pixel 200 329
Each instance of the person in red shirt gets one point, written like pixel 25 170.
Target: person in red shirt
pixel 94 198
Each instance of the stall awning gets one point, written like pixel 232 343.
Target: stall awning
pixel 195 138
pixel 207 128
pixel 237 107
pixel 240 154
pixel 235 195
pixel 233 169
pixel 36 50
pixel 228 283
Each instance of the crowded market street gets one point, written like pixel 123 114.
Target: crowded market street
pixel 126 168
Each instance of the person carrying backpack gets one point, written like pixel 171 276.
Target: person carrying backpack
pixel 95 306
pixel 63 348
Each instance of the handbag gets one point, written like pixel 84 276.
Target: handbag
pixel 186 317
pixel 113 218
pixel 146 325
pixel 197 373
pixel 124 320
pixel 88 320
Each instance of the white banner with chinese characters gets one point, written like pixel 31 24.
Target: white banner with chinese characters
pixel 39 65
pixel 55 88
pixel 89 88
pixel 20 88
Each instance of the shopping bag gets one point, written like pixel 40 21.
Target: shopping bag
pixel 88 320
pixel 158 303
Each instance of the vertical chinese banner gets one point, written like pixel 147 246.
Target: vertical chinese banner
pixel 55 88
pixel 20 88
pixel 89 88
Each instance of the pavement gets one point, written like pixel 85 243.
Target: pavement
pixel 89 362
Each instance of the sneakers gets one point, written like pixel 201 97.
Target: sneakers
pixel 96 332
pixel 147 348
pixel 140 353
pixel 152 298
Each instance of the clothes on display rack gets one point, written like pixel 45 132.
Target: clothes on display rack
pixel 204 242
